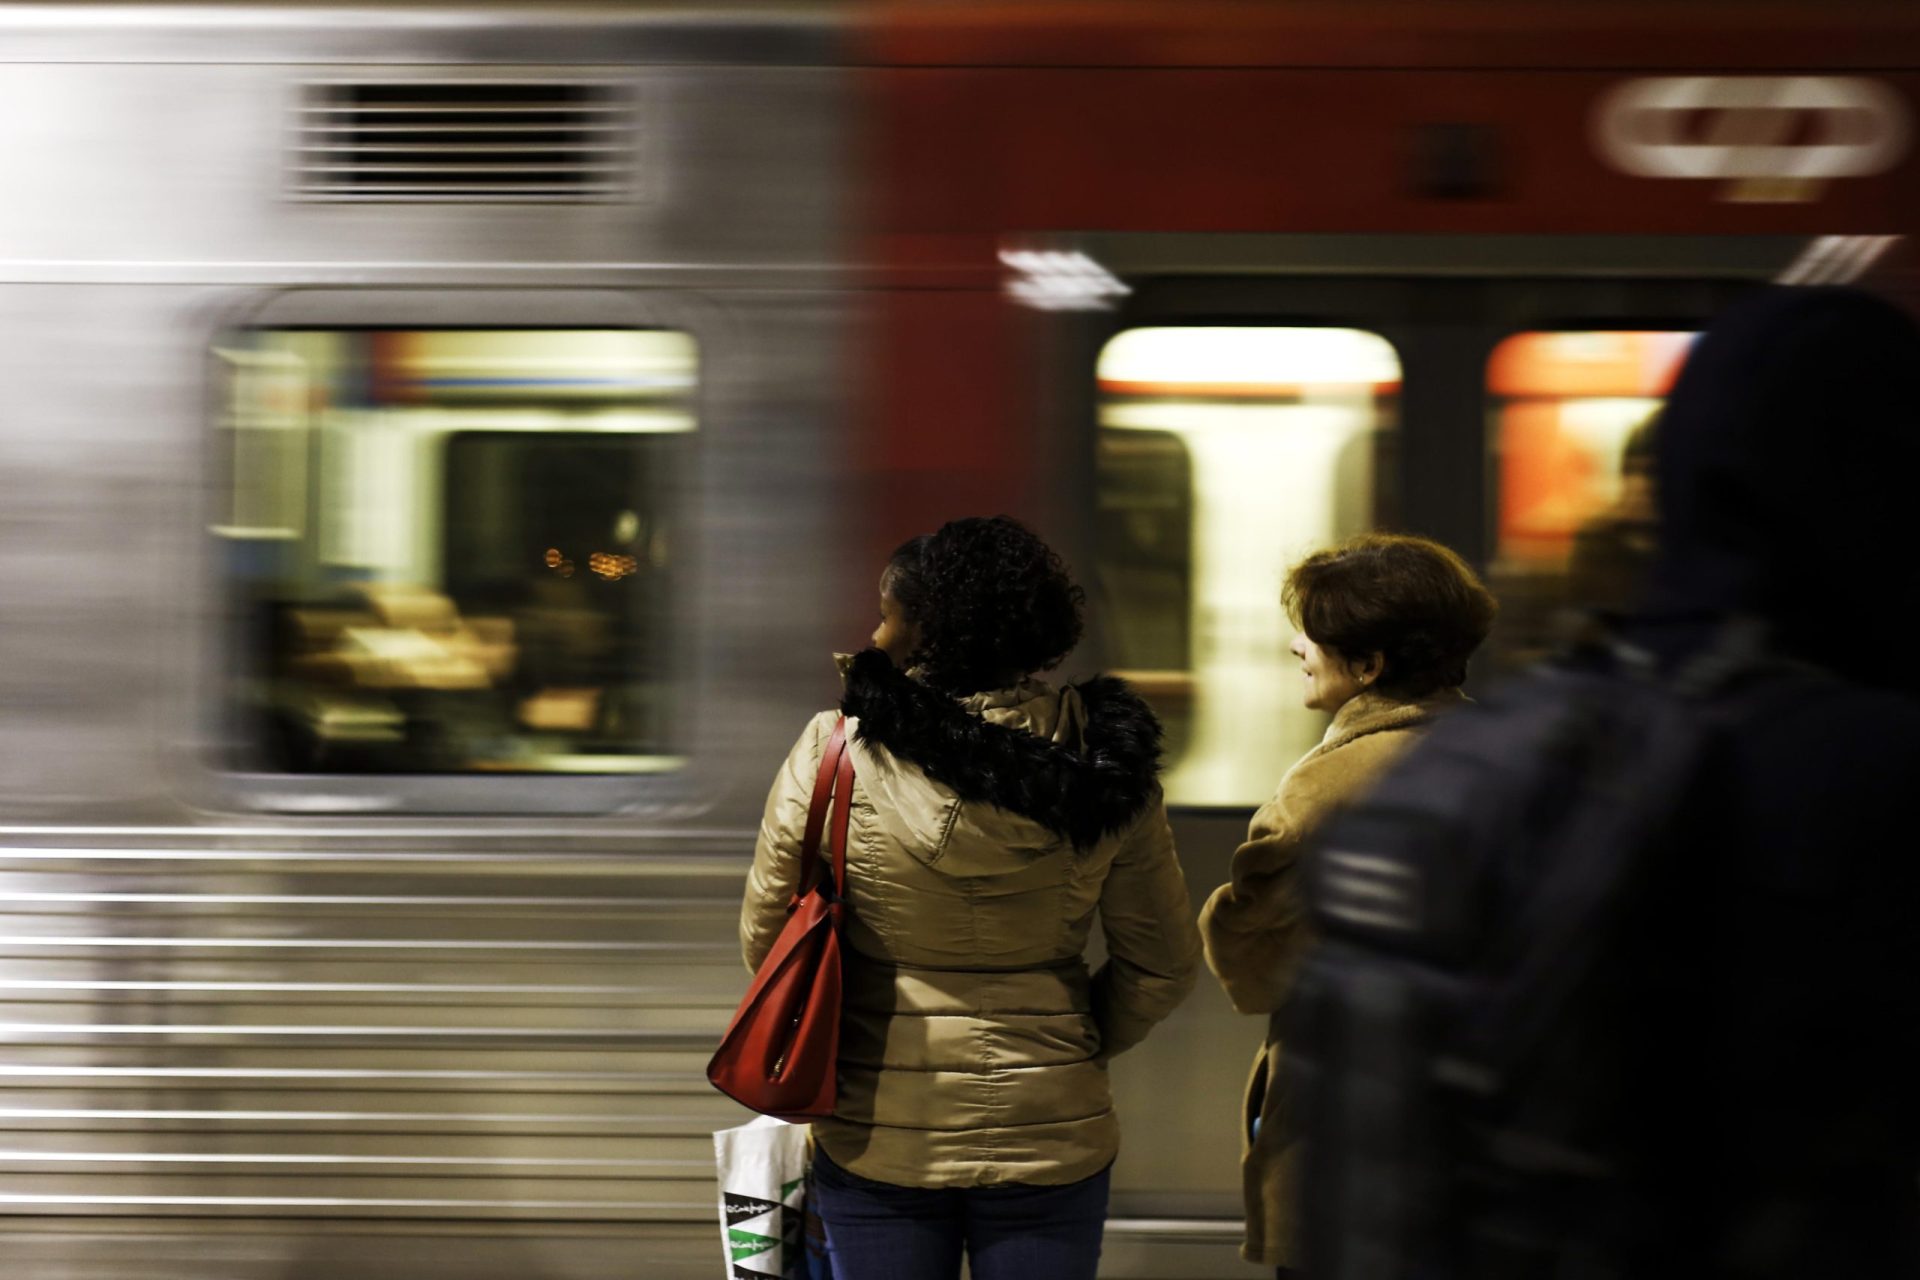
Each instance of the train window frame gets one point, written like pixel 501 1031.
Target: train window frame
pixel 685 787
pixel 1404 288
pixel 1563 323
pixel 1524 629
pixel 1384 444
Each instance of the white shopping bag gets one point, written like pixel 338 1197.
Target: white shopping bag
pixel 763 1185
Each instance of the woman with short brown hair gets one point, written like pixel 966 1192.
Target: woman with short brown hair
pixel 1387 623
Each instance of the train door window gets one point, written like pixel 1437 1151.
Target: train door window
pixel 1224 454
pixel 453 551
pixel 1572 417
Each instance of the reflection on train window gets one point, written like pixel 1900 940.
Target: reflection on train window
pixel 1572 423
pixel 1225 454
pixel 454 551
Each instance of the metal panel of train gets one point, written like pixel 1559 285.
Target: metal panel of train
pixel 441 446
pixel 370 882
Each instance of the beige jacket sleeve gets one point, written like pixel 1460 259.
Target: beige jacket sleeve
pixel 1255 926
pixel 776 853
pixel 1153 948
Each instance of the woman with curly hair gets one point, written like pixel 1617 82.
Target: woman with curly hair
pixel 992 814
pixel 1386 624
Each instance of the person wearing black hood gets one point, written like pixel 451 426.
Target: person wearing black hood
pixel 1778 1084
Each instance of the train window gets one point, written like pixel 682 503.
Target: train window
pixel 1571 426
pixel 454 551
pixel 1223 455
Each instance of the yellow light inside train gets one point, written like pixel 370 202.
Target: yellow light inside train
pixel 1250 360
pixel 1276 427
pixel 612 567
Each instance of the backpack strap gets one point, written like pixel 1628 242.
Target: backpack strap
pixel 1644 764
pixel 1642 769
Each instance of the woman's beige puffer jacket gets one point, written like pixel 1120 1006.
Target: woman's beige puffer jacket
pixel 985 832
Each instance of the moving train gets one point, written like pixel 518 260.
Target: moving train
pixel 443 445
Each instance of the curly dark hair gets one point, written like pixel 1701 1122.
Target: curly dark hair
pixel 992 601
pixel 1409 599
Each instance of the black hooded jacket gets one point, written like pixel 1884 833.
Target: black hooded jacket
pixel 1789 474
pixel 1780 1117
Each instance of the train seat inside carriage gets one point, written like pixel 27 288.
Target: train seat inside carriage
pixel 346 672
pixel 408 637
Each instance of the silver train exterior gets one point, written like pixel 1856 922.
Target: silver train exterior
pixel 265 1023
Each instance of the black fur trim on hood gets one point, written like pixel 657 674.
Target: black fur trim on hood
pixel 1080 795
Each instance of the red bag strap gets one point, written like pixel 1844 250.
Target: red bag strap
pixel 836 775
pixel 842 810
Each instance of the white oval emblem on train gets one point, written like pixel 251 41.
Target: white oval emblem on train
pixel 1794 127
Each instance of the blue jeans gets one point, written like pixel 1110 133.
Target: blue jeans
pixel 879 1231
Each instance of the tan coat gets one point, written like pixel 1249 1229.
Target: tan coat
pixel 974 1043
pixel 1255 932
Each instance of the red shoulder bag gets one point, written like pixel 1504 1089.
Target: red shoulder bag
pixel 780 1051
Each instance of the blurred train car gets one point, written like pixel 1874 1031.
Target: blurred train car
pixel 442 443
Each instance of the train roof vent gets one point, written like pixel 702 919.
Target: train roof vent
pixel 465 140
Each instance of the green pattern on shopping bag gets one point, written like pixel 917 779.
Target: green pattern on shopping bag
pixel 748 1244
pixel 762 1167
